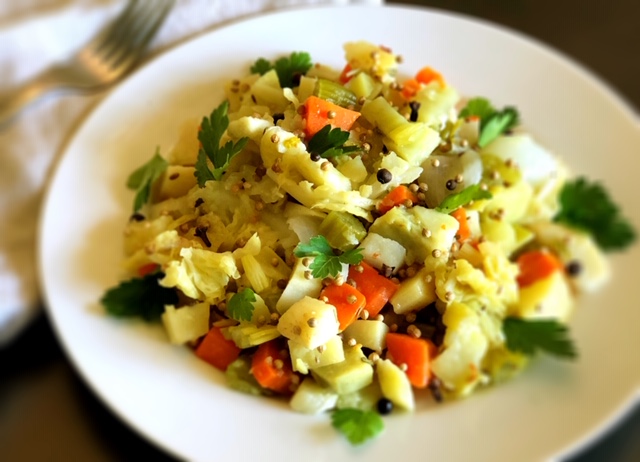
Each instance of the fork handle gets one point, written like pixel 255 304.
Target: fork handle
pixel 27 93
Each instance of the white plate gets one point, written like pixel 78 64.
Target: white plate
pixel 182 404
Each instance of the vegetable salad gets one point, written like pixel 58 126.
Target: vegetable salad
pixel 342 238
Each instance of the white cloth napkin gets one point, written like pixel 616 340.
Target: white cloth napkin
pixel 33 35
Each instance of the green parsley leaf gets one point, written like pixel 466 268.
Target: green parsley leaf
pixel 298 63
pixel 530 335
pixel 142 179
pixel 142 297
pixel 492 122
pixel 328 142
pixel 468 194
pixel 497 124
pixel 240 306
pixel 587 206
pixel 211 130
pixel 357 425
pixel 479 107
pixel 326 262
pixel 287 68
pixel 261 66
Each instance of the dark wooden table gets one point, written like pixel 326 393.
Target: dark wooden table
pixel 46 411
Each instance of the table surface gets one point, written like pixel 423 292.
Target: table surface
pixel 48 413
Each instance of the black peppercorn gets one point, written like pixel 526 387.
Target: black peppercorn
pixel 385 406
pixel 574 268
pixel 384 176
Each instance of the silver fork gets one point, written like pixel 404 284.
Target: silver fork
pixel 102 61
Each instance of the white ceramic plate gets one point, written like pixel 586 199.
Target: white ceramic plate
pixel 182 404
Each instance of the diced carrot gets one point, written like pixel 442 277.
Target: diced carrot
pixel 271 367
pixel 400 195
pixel 416 353
pixel 410 87
pixel 427 75
pixel 147 269
pixel 463 230
pixel 535 265
pixel 376 288
pixel 346 74
pixel 317 115
pixel 348 301
pixel 217 350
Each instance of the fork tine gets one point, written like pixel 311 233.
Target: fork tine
pixel 137 37
pixel 112 30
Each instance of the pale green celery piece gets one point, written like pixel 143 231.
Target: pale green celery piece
pixel 247 335
pixel 362 85
pixel 240 378
pixel 352 374
pixel 335 93
pixel 380 113
pixel 364 399
pixel 342 230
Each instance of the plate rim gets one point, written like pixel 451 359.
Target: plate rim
pixel 596 81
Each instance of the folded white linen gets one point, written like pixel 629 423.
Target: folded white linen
pixel 33 35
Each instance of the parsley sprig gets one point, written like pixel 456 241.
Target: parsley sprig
pixel 298 63
pixel 329 142
pixel 529 336
pixel 468 194
pixel 142 297
pixel 240 306
pixel 142 179
pixel 587 206
pixel 210 134
pixel 492 122
pixel 357 425
pixel 326 262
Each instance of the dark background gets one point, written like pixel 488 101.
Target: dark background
pixel 46 411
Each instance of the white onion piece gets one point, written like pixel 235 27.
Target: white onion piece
pixel 536 163
pixel 467 164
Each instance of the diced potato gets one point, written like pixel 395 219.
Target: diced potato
pixel 436 102
pixel 298 287
pixel 312 398
pixel 458 365
pixel 512 202
pixel 414 293
pixel 409 228
pixel 379 251
pixel 546 298
pixel 267 91
pixel 395 385
pixel 309 322
pixel 186 323
pixel 377 61
pixel 303 358
pixel 575 246
pixel 370 334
